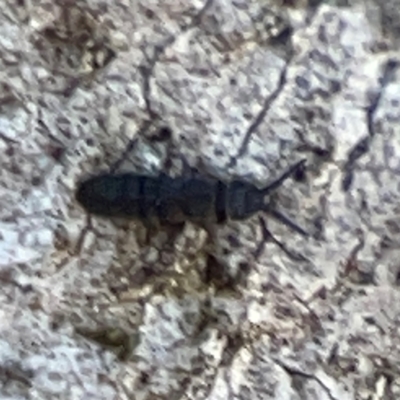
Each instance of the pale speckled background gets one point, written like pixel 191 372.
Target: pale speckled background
pixel 90 311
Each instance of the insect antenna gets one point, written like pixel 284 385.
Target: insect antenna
pixel 286 221
pixel 278 182
pixel 267 235
pixel 273 186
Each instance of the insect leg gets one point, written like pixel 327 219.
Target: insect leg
pixel 131 145
pixel 267 235
pixel 187 169
pixel 278 182
pixel 152 227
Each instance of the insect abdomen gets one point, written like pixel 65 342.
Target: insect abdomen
pixel 137 196
pixel 112 195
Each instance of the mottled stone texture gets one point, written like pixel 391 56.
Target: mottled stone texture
pixel 100 309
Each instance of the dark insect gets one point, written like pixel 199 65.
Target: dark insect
pixel 176 200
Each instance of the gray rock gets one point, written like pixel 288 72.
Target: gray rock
pixel 97 309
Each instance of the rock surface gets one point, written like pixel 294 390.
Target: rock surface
pixel 91 310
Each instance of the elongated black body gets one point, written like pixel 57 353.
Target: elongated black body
pixel 175 200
